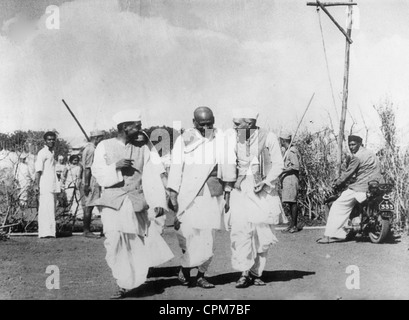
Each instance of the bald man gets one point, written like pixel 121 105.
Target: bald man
pixel 198 179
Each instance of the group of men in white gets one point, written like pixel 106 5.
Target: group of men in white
pixel 216 180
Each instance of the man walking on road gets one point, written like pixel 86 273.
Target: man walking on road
pixel 197 182
pixel 255 204
pixel 121 167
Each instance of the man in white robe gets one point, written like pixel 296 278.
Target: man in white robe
pixel 130 174
pixel 47 186
pixel 196 177
pixel 255 205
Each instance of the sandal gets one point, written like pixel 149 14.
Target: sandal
pixel 243 282
pixel 120 294
pixel 258 282
pixel 328 240
pixel 293 230
pixel 203 283
pixel 286 230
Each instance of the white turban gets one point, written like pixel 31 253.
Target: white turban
pixel 129 115
pixel 245 113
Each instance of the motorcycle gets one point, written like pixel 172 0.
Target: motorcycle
pixel 373 217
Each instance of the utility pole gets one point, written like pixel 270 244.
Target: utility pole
pixel 347 35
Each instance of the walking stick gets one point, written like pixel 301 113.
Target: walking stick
pixel 296 130
pixel 76 120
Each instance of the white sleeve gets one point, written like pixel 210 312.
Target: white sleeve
pixel 106 175
pixel 277 163
pixel 176 166
pixel 39 163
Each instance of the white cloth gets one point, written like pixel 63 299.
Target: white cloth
pixel 245 113
pixel 198 246
pixel 340 211
pixel 128 115
pixel 250 243
pixel 157 249
pixel 45 164
pixel 46 215
pixel 192 165
pixel 247 206
pixel 199 215
pixel 126 256
pixel 108 175
pixel 251 216
pixel 131 251
pixel 196 233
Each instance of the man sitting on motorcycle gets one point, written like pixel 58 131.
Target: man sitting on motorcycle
pixel 365 165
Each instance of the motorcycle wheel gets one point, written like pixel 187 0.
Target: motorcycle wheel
pixel 382 227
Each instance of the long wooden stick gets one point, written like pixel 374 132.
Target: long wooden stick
pixel 299 124
pixel 79 124
pixel 332 4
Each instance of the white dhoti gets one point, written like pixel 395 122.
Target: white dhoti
pixel 252 217
pixel 46 215
pixel 126 256
pixel 197 230
pixel 340 211
pixel 158 250
pixel 126 250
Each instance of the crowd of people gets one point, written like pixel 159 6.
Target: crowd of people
pixel 236 180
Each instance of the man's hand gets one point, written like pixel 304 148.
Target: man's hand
pixel 87 189
pixel 259 186
pixel 124 163
pixel 159 212
pixel 176 224
pixel 173 195
pixel 227 200
pixel 237 184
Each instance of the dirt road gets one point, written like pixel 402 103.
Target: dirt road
pixel 297 268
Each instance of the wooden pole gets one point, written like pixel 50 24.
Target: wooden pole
pixel 348 36
pixel 345 92
pixel 75 118
pixel 298 126
pixel 332 4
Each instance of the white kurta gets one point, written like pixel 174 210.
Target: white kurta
pixel 251 215
pixel 199 215
pixel 129 253
pixel 48 187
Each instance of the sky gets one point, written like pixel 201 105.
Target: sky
pixel 169 57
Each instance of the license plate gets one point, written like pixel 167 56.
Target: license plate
pixel 386 205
